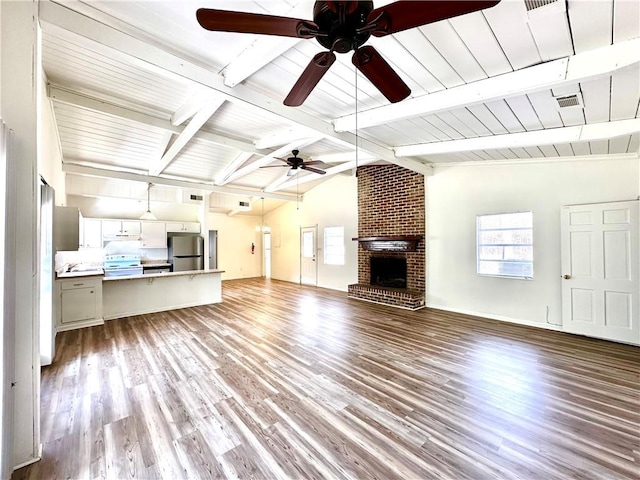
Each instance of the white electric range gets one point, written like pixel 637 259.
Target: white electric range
pixel 123 265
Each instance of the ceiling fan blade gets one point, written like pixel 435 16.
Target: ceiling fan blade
pixel 312 162
pixel 379 72
pixel 314 170
pixel 316 69
pixel 242 22
pixel 274 166
pixel 404 14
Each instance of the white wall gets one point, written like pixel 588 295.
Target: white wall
pixel 455 195
pixel 235 235
pixel 109 207
pixel 49 150
pixel 332 203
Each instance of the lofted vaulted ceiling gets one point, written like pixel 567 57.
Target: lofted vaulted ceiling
pixel 140 91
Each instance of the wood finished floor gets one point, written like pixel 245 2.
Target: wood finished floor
pixel 284 381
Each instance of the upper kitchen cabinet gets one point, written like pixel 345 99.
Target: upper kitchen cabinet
pixel 154 235
pixel 111 228
pixel 91 233
pixel 66 228
pixel 189 227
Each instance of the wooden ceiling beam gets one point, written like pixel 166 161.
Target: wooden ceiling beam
pixel 172 182
pixel 187 134
pixel 94 104
pixel 267 159
pixel 550 136
pixel 555 74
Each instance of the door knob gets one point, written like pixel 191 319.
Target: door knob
pixel 566 276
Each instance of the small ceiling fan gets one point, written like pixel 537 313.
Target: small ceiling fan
pixel 297 163
pixel 342 26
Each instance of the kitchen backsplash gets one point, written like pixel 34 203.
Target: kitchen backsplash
pixel 96 255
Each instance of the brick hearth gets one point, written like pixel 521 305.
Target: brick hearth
pixel 391 203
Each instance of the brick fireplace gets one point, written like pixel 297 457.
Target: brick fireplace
pixel 391 225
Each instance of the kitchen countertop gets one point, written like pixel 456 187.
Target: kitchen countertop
pixel 155 263
pixel 162 274
pixel 85 273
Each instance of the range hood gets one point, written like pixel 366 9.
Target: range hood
pixel 120 237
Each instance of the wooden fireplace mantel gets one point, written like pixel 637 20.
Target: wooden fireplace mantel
pixel 394 243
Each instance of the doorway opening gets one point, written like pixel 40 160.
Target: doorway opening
pixel 47 336
pixel 267 254
pixel 213 249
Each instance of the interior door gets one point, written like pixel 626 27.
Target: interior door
pixel 46 278
pixel 308 250
pixel 600 270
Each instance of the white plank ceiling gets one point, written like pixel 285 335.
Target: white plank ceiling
pixel 140 87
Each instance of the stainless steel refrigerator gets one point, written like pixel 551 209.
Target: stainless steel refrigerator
pixel 186 252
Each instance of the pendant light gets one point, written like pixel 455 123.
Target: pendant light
pixel 148 215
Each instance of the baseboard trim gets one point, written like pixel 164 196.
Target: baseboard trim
pixel 31 460
pixel 502 318
pixel 82 324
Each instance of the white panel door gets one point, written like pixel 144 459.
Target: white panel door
pixel 308 249
pixel 601 269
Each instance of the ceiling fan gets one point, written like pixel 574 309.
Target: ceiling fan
pixel 342 26
pixel 297 163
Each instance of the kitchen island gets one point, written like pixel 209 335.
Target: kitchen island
pixel 157 292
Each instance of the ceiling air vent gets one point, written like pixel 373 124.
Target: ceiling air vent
pixel 192 196
pixel 244 204
pixel 533 4
pixel 569 101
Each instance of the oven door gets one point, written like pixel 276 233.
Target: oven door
pixel 122 271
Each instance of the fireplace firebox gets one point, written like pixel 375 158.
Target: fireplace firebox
pixel 389 272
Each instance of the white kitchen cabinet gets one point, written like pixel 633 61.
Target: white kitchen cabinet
pixel 78 302
pixel 190 227
pixel 67 223
pixel 91 233
pixel 120 227
pixel 131 227
pixel 154 235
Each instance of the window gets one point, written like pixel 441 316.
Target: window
pixel 505 244
pixel 334 245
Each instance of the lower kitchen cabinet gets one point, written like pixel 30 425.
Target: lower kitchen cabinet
pixel 78 302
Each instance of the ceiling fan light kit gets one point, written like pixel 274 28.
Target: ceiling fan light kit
pixel 342 26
